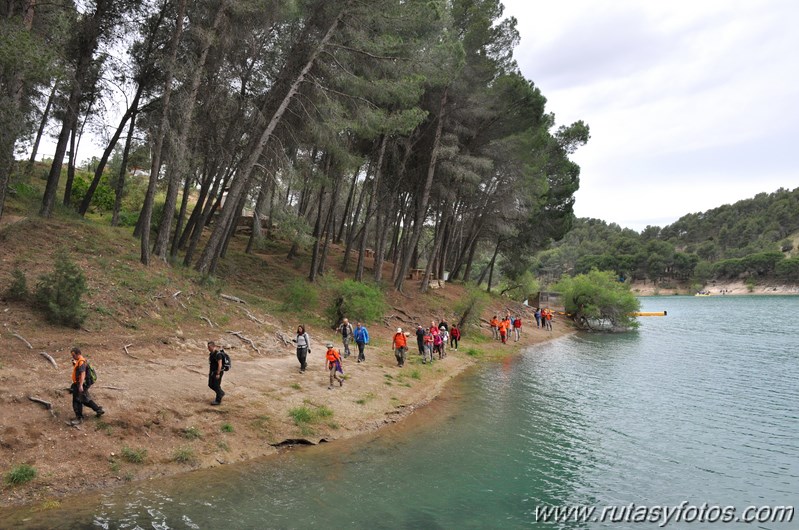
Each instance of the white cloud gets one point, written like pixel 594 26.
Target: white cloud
pixel 691 104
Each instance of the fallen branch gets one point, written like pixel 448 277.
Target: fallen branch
pixel 49 358
pixel 176 294
pixel 47 404
pixel 113 388
pixel 233 299
pixel 245 339
pixel 23 339
pixel 208 320
pixel 254 318
pixel 126 346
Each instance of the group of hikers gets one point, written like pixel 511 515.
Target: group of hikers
pixel 502 330
pixel 431 341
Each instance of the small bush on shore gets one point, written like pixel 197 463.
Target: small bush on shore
pixel 183 455
pixel 356 301
pixel 21 474
pixel 18 290
pixel 298 296
pixel 59 293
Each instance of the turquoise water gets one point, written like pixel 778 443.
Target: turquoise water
pixel 701 406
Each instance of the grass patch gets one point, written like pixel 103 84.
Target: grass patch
pixel 20 474
pixel 192 433
pixel 223 446
pixel 226 427
pixel 366 399
pixel 296 386
pixel 134 456
pixel 105 427
pixel 472 352
pixel 415 374
pixel 307 415
pixel 183 455
pixel 261 423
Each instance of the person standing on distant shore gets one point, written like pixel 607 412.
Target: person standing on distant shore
pixel 80 387
pixel 303 347
pixel 494 328
pixel 428 346
pixel 346 335
pixel 537 315
pixel 361 336
pixel 517 328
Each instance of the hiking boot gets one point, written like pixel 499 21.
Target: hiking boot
pixel 330 388
pixel 340 382
pixel 216 403
pixel 76 421
pixel 99 412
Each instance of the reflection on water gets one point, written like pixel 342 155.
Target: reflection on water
pixel 700 406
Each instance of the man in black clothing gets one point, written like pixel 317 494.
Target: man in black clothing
pixel 420 338
pixel 215 360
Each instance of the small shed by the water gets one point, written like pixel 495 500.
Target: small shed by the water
pixel 548 299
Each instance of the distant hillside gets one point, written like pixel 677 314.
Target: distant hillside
pixel 753 240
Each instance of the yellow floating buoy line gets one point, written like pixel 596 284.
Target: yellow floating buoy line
pixel 649 314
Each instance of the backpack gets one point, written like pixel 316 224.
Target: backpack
pixel 225 360
pixel 91 375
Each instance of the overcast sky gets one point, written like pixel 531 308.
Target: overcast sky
pixel 691 105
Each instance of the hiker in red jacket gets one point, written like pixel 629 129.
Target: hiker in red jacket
pixel 454 337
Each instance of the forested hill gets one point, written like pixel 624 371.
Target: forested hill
pixel 754 239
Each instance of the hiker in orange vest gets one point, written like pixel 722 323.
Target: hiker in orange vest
pixel 503 332
pixel 494 328
pixel 80 387
pixel 333 360
pixel 546 316
pixel 400 346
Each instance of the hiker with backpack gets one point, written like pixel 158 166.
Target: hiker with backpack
pixel 303 347
pixel 333 363
pixel 361 335
pixel 345 328
pixel 83 377
pixel 219 362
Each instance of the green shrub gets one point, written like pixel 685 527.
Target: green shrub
pixel 21 474
pixel 18 290
pixel 356 301
pixel 471 307
pixel 598 299
pixel 134 456
pixel 299 295
pixel 226 427
pixel 59 293
pixel 103 197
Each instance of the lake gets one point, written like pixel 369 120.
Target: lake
pixel 700 407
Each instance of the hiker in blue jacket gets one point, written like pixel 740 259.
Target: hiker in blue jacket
pixel 361 336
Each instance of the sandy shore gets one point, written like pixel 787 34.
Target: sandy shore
pixel 716 289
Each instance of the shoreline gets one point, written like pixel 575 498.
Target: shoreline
pixel 737 288
pixel 262 392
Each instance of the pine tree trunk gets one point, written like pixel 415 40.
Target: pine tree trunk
pixel 73 137
pixel 369 209
pixel 177 166
pixel 40 130
pixel 123 171
pixel 207 262
pixel 145 219
pixel 88 45
pixel 422 211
